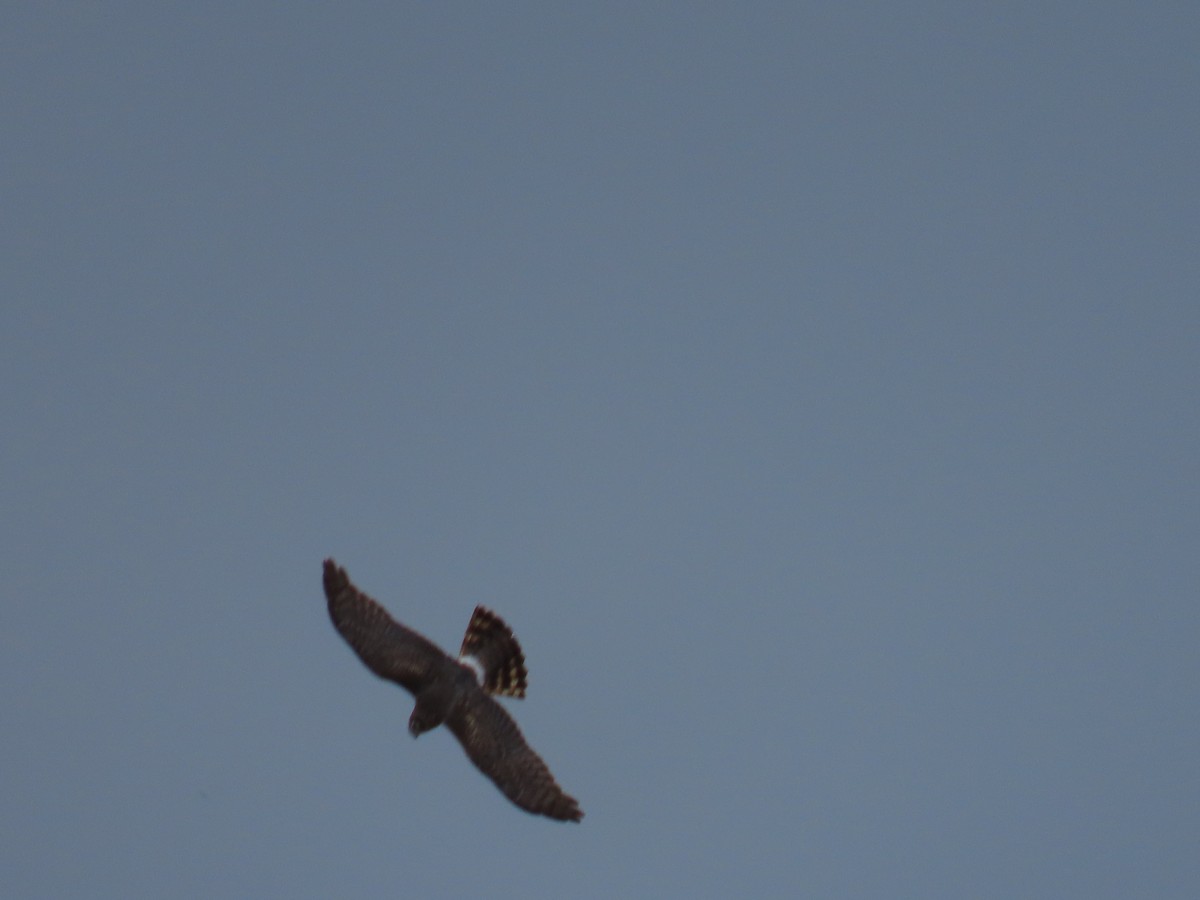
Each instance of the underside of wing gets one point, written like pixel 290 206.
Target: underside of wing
pixel 496 746
pixel 387 648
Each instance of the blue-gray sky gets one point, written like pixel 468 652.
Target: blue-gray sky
pixel 812 387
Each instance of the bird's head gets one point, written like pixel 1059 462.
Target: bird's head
pixel 417 724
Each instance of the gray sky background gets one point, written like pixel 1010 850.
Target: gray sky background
pixel 812 387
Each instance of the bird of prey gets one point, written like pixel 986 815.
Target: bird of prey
pixel 456 692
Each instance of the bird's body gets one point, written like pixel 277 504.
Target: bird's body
pixel 454 692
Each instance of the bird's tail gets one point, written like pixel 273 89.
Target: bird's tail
pixel 491 648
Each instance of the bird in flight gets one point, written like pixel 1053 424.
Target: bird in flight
pixel 455 692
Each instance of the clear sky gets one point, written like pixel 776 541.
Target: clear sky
pixel 812 387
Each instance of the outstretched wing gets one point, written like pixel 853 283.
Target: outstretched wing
pixel 496 746
pixel 387 648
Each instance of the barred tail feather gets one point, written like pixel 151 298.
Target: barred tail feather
pixel 492 649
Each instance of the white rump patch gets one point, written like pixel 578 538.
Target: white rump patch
pixel 474 665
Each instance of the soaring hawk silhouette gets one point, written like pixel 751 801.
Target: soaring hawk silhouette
pixel 455 692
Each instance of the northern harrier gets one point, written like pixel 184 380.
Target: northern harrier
pixel 455 691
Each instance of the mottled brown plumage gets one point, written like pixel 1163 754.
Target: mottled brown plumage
pixel 453 693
